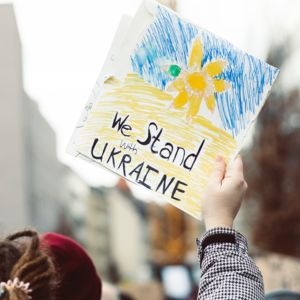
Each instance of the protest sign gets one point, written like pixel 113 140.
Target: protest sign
pixel 171 97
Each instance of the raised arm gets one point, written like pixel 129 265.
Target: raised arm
pixel 227 272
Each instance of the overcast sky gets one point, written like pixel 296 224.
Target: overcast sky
pixel 65 43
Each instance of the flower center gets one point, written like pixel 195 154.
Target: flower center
pixel 197 81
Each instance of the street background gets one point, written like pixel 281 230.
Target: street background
pixel 50 55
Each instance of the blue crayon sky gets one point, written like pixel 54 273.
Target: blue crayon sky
pixel 168 41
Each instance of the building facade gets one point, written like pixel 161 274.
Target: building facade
pixel 116 231
pixel 14 211
pixel 30 174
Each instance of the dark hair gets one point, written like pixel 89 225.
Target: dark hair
pixel 22 258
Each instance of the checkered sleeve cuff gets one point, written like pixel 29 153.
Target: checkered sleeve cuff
pixel 240 243
pixel 227 271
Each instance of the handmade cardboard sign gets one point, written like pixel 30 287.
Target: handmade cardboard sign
pixel 171 97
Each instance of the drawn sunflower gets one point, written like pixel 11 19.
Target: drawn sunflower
pixel 198 83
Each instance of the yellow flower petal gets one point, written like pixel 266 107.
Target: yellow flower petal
pixel 221 85
pixel 181 99
pixel 176 85
pixel 197 81
pixel 196 55
pixel 211 102
pixel 194 107
pixel 215 68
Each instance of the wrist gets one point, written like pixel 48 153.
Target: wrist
pixel 210 224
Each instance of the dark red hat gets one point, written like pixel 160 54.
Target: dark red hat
pixel 78 276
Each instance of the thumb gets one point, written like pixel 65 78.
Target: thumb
pixel 218 172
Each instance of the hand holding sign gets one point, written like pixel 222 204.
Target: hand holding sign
pixel 224 194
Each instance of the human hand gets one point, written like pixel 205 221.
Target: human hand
pixel 224 194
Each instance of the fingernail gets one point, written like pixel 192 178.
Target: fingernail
pixel 219 158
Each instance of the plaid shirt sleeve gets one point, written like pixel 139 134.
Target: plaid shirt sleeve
pixel 227 272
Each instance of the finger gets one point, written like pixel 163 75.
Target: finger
pixel 218 172
pixel 236 169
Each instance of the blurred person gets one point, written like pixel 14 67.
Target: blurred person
pixel 46 267
pixel 125 296
pixel 227 272
pixel 283 295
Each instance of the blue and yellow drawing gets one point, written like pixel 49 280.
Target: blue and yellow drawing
pixel 168 41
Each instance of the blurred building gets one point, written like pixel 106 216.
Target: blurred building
pixel 98 231
pixel 173 235
pixel 75 195
pixel 128 233
pixel 173 250
pixel 117 234
pixel 30 174
pixel 43 171
pixel 14 211
pixel 167 235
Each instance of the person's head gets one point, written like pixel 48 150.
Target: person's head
pixel 21 260
pixel 78 276
pixel 48 267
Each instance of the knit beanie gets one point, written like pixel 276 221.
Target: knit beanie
pixel 78 279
